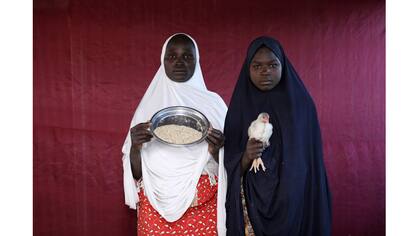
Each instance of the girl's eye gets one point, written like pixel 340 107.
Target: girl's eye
pixel 273 65
pixel 188 57
pixel 257 67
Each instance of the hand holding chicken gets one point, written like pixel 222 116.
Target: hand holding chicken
pixel 261 130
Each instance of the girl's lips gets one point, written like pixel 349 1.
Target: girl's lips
pixel 180 71
pixel 267 82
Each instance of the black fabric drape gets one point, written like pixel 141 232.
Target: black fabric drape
pixel 292 196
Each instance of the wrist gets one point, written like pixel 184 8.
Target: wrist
pixel 135 148
pixel 246 157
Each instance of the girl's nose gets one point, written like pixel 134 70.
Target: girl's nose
pixel 266 69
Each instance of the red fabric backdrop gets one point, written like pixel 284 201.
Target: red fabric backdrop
pixel 93 60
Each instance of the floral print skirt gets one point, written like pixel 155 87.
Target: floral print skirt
pixel 199 219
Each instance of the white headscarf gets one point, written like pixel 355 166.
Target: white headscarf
pixel 170 174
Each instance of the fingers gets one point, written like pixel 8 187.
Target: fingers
pixel 255 143
pixel 215 137
pixel 254 152
pixel 211 140
pixel 253 155
pixel 140 133
pixel 141 126
pixel 138 138
pixel 254 148
pixel 216 133
pixel 257 151
pixel 141 129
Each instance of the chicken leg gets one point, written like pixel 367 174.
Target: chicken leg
pixel 256 165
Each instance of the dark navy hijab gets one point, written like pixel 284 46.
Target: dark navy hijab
pixel 292 196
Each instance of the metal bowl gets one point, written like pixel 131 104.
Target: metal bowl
pixel 180 115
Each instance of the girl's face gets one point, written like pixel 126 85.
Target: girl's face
pixel 180 59
pixel 265 69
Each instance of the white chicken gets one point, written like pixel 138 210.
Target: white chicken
pixel 261 130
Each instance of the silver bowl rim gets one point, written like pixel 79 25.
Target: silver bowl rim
pixel 180 145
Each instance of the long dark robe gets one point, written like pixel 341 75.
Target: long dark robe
pixel 292 196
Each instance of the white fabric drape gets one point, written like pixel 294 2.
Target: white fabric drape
pixel 170 174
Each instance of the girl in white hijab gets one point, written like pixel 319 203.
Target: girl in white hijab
pixel 177 190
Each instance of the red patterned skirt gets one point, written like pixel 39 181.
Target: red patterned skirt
pixel 199 219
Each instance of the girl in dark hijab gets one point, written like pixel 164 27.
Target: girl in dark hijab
pixel 291 197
